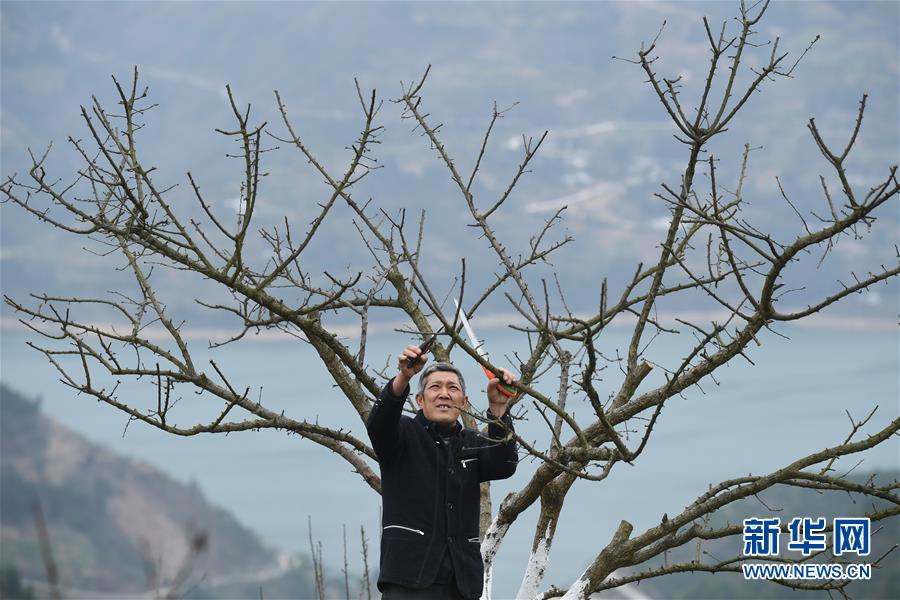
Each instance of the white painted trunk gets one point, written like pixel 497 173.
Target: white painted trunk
pixel 486 590
pixel 578 591
pixel 537 567
pixel 489 546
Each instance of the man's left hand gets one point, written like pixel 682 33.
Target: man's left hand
pixel 498 402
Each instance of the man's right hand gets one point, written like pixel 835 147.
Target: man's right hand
pixel 405 372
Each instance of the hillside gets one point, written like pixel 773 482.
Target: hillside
pixel 119 526
pixel 609 146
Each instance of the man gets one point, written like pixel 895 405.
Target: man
pixel 431 469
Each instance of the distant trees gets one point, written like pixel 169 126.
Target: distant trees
pixel 11 585
pixel 708 251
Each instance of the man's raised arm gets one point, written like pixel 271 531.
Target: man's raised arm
pixel 499 460
pixel 383 423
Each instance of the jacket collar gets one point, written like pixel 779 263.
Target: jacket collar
pixel 433 428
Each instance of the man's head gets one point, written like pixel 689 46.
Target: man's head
pixel 442 393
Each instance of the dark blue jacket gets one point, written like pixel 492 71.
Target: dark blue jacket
pixel 431 494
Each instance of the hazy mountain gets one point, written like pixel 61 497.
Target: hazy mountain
pixel 119 526
pixel 609 147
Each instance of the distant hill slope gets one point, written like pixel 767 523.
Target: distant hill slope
pixel 112 521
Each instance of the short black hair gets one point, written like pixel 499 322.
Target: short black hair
pixel 440 366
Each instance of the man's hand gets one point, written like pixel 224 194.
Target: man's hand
pixel 498 402
pixel 404 372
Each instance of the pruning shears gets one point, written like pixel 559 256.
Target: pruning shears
pixel 424 347
pixel 505 389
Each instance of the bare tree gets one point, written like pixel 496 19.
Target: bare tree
pixel 709 250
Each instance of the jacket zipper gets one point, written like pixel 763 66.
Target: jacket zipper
pixel 420 532
pixel 468 460
pixel 474 539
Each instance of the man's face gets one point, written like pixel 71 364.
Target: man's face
pixel 443 398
